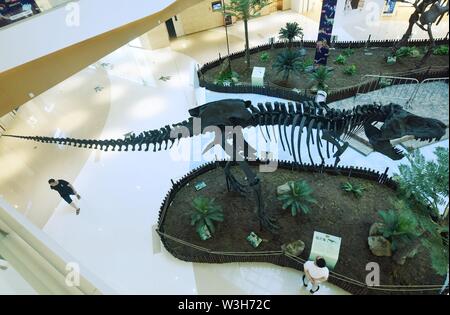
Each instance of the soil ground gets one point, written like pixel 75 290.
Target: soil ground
pixel 337 213
pixel 374 64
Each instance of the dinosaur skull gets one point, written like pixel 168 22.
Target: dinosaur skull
pixel 401 123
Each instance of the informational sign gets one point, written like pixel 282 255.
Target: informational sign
pixel 258 76
pixel 325 31
pixel 326 246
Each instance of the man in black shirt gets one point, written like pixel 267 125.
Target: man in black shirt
pixel 65 189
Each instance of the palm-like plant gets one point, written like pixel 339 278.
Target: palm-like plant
pixel 298 198
pixel 245 10
pixel 354 188
pixel 288 62
pixel 290 32
pixel 400 226
pixel 205 212
pixel 320 76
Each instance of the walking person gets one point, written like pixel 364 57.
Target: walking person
pixel 316 272
pixel 65 190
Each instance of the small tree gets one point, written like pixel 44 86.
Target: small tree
pixel 290 32
pixel 245 10
pixel 298 198
pixel 426 181
pixel 288 62
pixel 205 212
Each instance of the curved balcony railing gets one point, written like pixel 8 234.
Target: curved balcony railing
pixel 15 11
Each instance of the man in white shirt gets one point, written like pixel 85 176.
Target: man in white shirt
pixel 316 272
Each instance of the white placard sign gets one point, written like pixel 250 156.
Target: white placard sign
pixel 258 76
pixel 327 246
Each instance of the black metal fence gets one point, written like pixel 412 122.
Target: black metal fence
pixel 202 256
pixel 300 96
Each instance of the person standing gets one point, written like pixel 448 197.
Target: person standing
pixel 65 190
pixel 316 272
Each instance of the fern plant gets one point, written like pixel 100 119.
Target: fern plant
pixel 340 60
pixel 407 52
pixel 426 181
pixel 356 189
pixel 205 213
pixel 264 57
pixel 350 70
pixel 298 197
pixel 400 225
pixel 348 52
pixel 441 50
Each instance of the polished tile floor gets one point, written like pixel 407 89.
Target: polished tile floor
pixel 122 192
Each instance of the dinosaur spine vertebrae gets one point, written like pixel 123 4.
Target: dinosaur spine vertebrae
pixel 331 125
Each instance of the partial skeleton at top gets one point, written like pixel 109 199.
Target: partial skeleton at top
pixel 321 126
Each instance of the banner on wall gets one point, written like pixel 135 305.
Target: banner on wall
pixel 325 31
pixel 389 6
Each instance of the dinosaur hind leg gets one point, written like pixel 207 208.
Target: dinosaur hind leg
pixel 332 138
pixel 265 220
pixel 232 183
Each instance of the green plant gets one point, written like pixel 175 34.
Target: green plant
pixel 432 238
pixel 400 226
pixel 244 10
pixel 408 224
pixel 348 52
pixel 288 62
pixel 441 50
pixel 350 70
pixel 205 212
pixel 320 76
pixel 298 197
pixel 290 32
pixel 356 189
pixel 264 57
pixel 426 181
pixel 226 76
pixel 340 60
pixel 407 51
pixel 436 244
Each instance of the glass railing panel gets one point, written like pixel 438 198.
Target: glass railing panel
pixel 13 11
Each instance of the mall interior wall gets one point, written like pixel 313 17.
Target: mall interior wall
pixel 19 84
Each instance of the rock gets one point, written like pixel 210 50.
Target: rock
pixel 379 246
pixel 375 229
pixel 283 189
pixel 407 251
pixel 309 69
pixel 391 60
pixel 295 248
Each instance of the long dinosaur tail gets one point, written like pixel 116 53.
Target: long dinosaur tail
pixel 143 142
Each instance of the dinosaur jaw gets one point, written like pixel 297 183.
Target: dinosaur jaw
pixel 385 147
